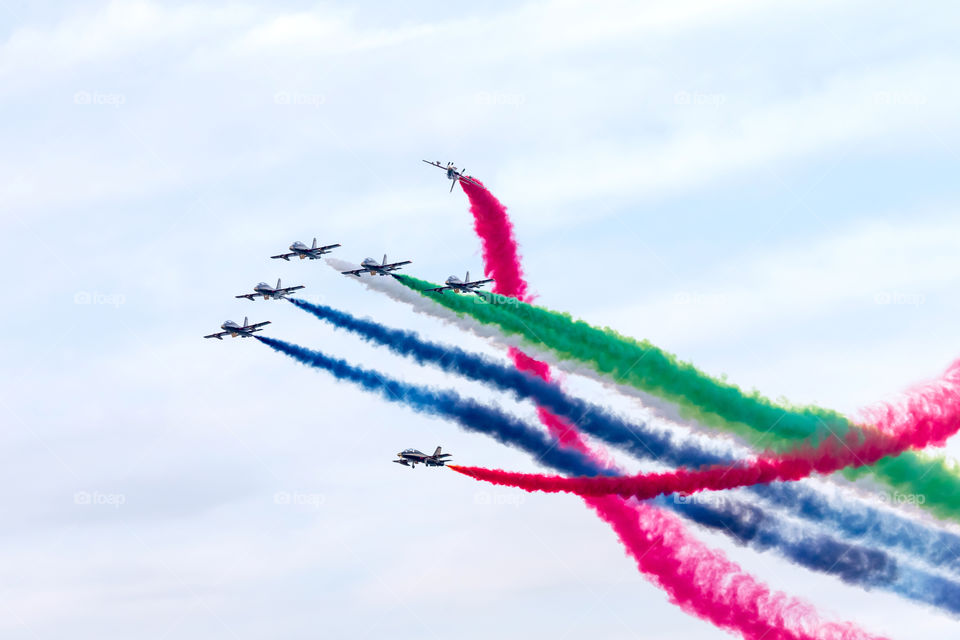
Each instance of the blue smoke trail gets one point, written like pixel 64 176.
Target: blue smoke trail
pixel 939 549
pixel 746 524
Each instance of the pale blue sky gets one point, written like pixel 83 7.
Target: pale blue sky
pixel 744 183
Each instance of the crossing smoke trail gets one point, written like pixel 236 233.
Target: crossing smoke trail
pixel 853 518
pixel 502 260
pixel 934 413
pixel 854 564
pixel 646 367
pixel 940 549
pixel 501 255
pixel 699 580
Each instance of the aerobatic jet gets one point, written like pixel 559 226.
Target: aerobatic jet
pixel 232 329
pixel 411 457
pixel 453 173
pixel 263 289
pixel 371 266
pixel 462 286
pixel 302 250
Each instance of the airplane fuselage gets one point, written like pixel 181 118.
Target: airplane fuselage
pixel 303 251
pixel 267 292
pixel 235 330
pixel 373 267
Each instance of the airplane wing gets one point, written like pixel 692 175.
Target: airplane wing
pixel 248 296
pixel 436 164
pixel 327 248
pixel 284 256
pixel 393 266
pixel 256 326
pixel 444 455
pixel 355 272
pixel 218 336
pixel 477 283
pixel 470 180
pixel 287 290
pixel 439 289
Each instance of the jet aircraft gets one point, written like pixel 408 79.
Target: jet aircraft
pixel 412 457
pixel 453 173
pixel 303 251
pixel 462 286
pixel 371 266
pixel 232 329
pixel 263 289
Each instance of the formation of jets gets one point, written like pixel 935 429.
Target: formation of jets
pixel 462 286
pixel 408 457
pixel 453 173
pixel 412 457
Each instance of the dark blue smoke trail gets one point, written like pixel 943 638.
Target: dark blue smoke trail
pixel 857 521
pixel 471 415
pixel 747 524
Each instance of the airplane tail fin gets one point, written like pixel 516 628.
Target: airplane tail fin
pixel 314 244
pixel 437 452
pixel 466 278
pixel 278 283
pixel 384 259
pixel 245 321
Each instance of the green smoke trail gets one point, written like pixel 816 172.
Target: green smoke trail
pixel 933 483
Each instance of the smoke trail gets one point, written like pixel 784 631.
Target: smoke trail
pixel 853 518
pixel 940 549
pixel 934 413
pixel 486 209
pixel 500 257
pixel 934 425
pixel 700 398
pixel 697 579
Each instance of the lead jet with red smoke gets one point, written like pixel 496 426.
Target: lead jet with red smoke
pixel 412 457
pixel 457 285
pixel 374 268
pixel 232 329
pixel 276 293
pixel 453 173
pixel 303 251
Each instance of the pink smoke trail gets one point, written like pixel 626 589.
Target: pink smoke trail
pixel 933 411
pixel 702 581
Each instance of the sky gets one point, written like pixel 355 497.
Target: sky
pixel 766 189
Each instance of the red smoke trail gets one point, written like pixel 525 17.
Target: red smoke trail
pixel 701 581
pixel 501 261
pixel 933 413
